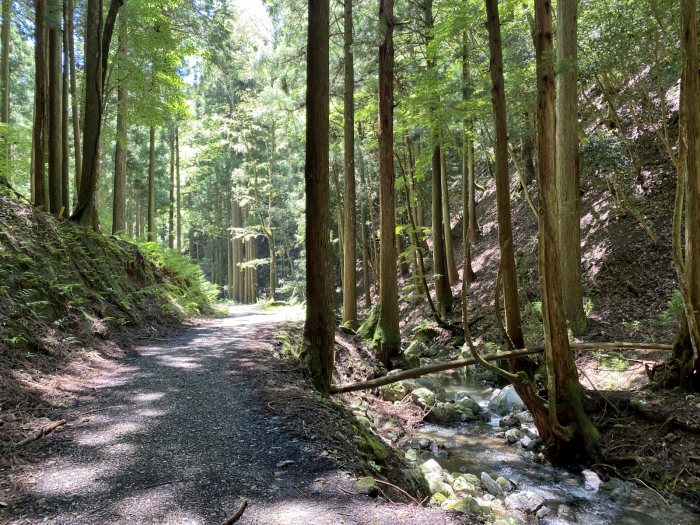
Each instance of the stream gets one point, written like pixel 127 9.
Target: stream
pixel 480 446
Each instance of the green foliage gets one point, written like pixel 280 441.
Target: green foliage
pixel 185 283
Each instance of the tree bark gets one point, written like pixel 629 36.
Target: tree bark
pixel 451 263
pixel 468 209
pixel 568 426
pixel 5 87
pixel 65 161
pixel 388 339
pixel 350 236
pixel 687 261
pixel 55 109
pixel 319 329
pixel 178 197
pixel 151 232
pixel 567 164
pixel 97 40
pixel 443 293
pixel 73 93
pixel 120 148
pixel 39 130
pixel 171 210
pixel 505 229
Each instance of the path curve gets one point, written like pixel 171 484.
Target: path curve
pixel 177 435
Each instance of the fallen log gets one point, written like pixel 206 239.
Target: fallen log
pixel 457 363
pixel 425 370
pixel 43 432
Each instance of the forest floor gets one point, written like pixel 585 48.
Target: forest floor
pixel 189 426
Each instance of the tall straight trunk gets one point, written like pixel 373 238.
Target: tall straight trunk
pixel 55 110
pixel 171 210
pixel 569 425
pixel 350 235
pixel 65 161
pixel 567 172
pixel 178 196
pixel 5 154
pixel 40 128
pixel 443 293
pixel 234 281
pixel 139 218
pixel 120 148
pixel 389 340
pixel 319 329
pixel 687 261
pixel 467 166
pixel 97 40
pixel 452 275
pixel 69 30
pixel 365 255
pixel 338 220
pixel 152 184
pixel 505 229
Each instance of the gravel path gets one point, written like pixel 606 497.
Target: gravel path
pixel 178 434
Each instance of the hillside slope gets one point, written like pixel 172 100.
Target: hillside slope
pixel 70 297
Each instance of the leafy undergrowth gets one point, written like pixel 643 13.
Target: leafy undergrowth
pixel 68 296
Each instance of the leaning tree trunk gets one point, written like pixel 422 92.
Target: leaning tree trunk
pixel 452 275
pixel 567 165
pixel 350 235
pixel 319 329
pixel 568 426
pixel 388 337
pixel 467 166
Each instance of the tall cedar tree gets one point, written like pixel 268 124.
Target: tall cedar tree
pixel 567 164
pixel 569 425
pixel 120 147
pixel 5 154
pixel 389 338
pixel 55 109
pixel 98 36
pixel 350 241
pixel 687 262
pixel 319 329
pixel 39 189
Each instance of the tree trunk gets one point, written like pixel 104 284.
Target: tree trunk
pixel 350 236
pixel 151 233
pixel 505 235
pixel 568 426
pixel 365 253
pixel 443 293
pixel 388 339
pixel 452 275
pixel 467 167
pixel 120 148
pixel 55 110
pixel 338 221
pixel 39 130
pixel 319 329
pixel 567 172
pixel 65 162
pixel 178 197
pixel 5 154
pixel 73 93
pixel 97 40
pixel 171 210
pixel 687 262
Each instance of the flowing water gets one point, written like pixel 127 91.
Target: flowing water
pixel 474 448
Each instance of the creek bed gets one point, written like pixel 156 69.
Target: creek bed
pixel 474 448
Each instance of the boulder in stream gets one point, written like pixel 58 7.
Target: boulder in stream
pixel 467 401
pixel 423 397
pixel 491 486
pixel 505 401
pixel 513 435
pixel 591 480
pixel 524 501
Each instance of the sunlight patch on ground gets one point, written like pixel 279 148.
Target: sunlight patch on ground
pixel 156 505
pixel 147 398
pixel 71 479
pixel 112 433
pixel 180 362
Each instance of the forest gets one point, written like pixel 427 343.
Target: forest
pixel 360 261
